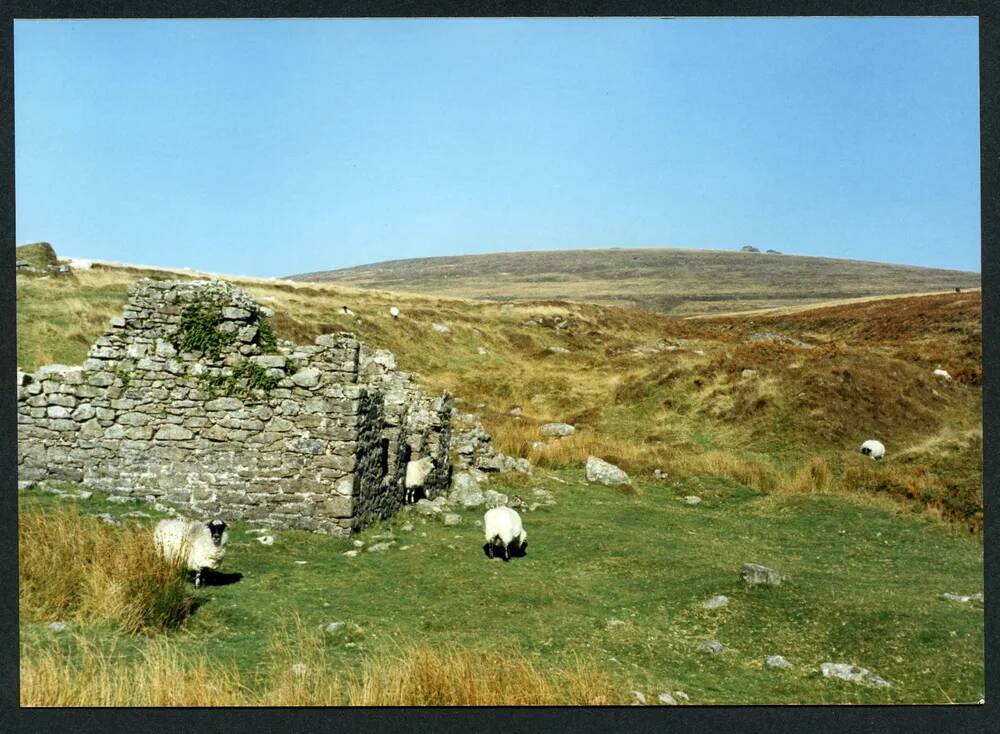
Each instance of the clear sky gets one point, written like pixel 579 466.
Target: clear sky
pixel 272 147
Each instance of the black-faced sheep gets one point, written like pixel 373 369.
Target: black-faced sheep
pixel 873 448
pixel 502 529
pixel 199 546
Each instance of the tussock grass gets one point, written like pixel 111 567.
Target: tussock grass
pixel 75 567
pixel 300 673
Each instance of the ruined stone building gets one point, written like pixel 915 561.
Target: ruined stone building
pixel 189 400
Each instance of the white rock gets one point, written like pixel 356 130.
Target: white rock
pixel 639 696
pixel 440 328
pixel 359 543
pixel 605 472
pixel 777 661
pixel 942 373
pixel 266 540
pixel 58 626
pixel 852 673
pixel 961 598
pixel 351 553
pixel 716 602
pixel 692 499
pixel 667 699
pixel 334 626
pixel 557 430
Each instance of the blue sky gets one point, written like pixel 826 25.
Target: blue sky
pixel 271 147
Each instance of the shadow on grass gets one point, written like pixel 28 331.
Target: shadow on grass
pixel 515 551
pixel 219 578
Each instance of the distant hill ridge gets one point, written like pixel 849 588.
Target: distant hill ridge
pixel 676 281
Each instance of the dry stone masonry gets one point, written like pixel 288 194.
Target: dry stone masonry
pixel 189 400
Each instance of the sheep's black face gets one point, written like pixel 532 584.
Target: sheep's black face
pixel 866 451
pixel 217 528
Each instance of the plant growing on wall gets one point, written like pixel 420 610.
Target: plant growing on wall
pixel 200 331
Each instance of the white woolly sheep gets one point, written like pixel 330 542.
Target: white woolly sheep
pixel 394 312
pixel 346 311
pixel 873 448
pixel 502 528
pixel 199 546
pixel 942 373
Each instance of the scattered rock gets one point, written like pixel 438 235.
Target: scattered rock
pixel 58 626
pixel 615 623
pixel 425 507
pixel 853 673
pixel 748 373
pixel 639 697
pixel 558 350
pixel 406 527
pixel 605 473
pixel 482 350
pixel 777 661
pixel 661 475
pixel 667 699
pixel 451 518
pixel 962 599
pixel 556 430
pixel 515 411
pixel 495 499
pixel 110 519
pixel 682 695
pixel 544 496
pixel 768 336
pixel 693 499
pixel 380 547
pixel 351 553
pixel 716 602
pixel 942 374
pixel 754 574
pixel 358 543
pixel 333 626
pixel 440 328
pixel 266 540
pixel 711 646
pixel 84 495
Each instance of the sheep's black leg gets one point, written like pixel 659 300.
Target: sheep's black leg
pixel 506 552
pixel 489 549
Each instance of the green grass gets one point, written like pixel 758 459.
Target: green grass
pixel 865 585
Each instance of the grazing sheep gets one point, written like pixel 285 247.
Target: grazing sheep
pixel 942 373
pixel 394 312
pixel 199 546
pixel 874 449
pixel 346 311
pixel 502 527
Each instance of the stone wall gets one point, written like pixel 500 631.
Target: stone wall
pixel 316 437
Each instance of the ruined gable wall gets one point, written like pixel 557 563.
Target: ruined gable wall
pixel 142 419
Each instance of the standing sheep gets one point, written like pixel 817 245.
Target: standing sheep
pixel 394 312
pixel 197 545
pixel 502 528
pixel 873 448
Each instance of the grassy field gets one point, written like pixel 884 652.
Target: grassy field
pixel 610 580
pixel 868 547
pixel 674 281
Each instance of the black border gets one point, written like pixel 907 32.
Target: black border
pixel 738 718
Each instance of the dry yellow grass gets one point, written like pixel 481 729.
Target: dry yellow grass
pixel 298 673
pixel 75 567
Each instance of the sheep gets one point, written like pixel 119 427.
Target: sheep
pixel 346 311
pixel 874 449
pixel 502 527
pixel 942 373
pixel 394 312
pixel 197 545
